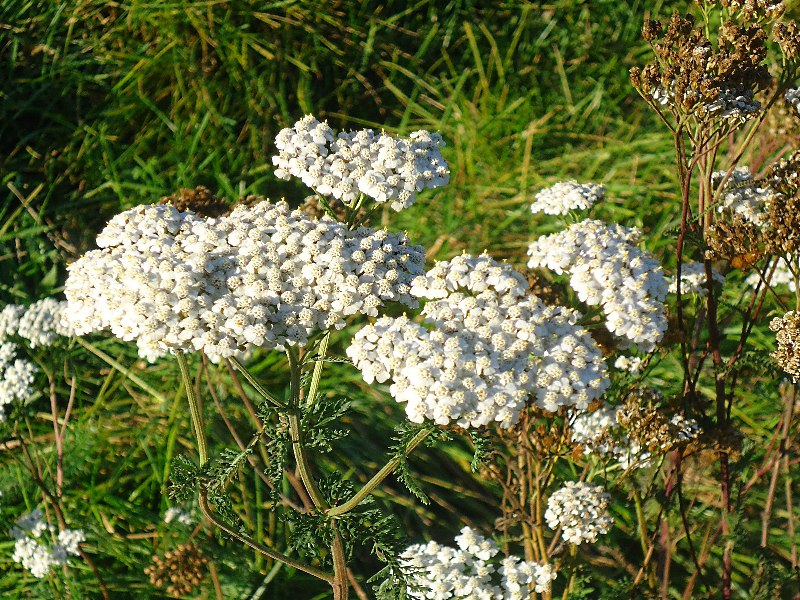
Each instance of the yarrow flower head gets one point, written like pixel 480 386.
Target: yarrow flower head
pixel 263 276
pixel 792 97
pixel 631 364
pixel 781 275
pixel 34 548
pixel 600 433
pixel 606 269
pixel 40 323
pixel 471 570
pixel 178 515
pixel 484 349
pixel 16 377
pixel 693 279
pixel 787 334
pixel 744 195
pixel 581 510
pixel 565 196
pixel 385 168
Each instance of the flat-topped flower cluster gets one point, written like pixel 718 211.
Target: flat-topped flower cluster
pixel 383 167
pixel 40 324
pixel 693 279
pixel 565 196
pixel 263 276
pixel 607 269
pixel 600 434
pixel 581 510
pixel 486 347
pixel 742 194
pixel 472 570
pixel 34 548
pixel 16 377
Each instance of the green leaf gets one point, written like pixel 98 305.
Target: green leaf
pixel 183 480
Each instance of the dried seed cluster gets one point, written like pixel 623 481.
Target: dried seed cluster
pixel 652 430
pixel 179 571
pixel 200 201
pixel 693 77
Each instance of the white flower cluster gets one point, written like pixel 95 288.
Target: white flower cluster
pixel 685 428
pixel 16 377
pixel 472 570
pixel 385 168
pixel 693 279
pixel 743 196
pixel 489 348
pixel 38 554
pixel 734 105
pixel 263 276
pixel 607 269
pixel 782 275
pixel 581 510
pixel 792 97
pixel 40 323
pixel 179 515
pixel 565 196
pixel 600 433
pixel 631 364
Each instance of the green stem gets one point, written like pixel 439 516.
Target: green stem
pixel 194 408
pixel 387 470
pixel 254 382
pixel 322 350
pixel 268 552
pixel 300 454
pixel 303 467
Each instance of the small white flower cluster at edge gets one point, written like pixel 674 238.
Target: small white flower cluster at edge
pixel 742 195
pixel 487 347
pixel 792 97
pixel 472 570
pixel 782 275
pixel 599 433
pixel 693 279
pixel 40 323
pixel 581 510
pixel 607 269
pixel 34 548
pixel 178 515
pixel 631 364
pixel 565 196
pixel 263 276
pixel 385 168
pixel 16 377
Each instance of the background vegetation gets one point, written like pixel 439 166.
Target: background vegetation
pixel 105 105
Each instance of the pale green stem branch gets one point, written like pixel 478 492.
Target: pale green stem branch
pixel 268 552
pixel 254 382
pixel 387 470
pixel 322 350
pixel 194 409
